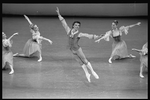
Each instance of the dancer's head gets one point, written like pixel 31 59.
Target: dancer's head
pixel 36 28
pixel 114 24
pixel 4 35
pixel 76 25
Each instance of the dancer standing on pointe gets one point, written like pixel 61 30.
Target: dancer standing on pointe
pixel 74 35
pixel 33 46
pixel 119 47
pixel 7 53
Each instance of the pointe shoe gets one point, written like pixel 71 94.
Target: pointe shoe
pixel 40 60
pixel 11 72
pixel 132 56
pixel 141 76
pixel 110 61
pixel 88 77
pixel 15 54
pixel 95 75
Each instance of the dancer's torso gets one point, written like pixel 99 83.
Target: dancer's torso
pixel 116 36
pixel 35 37
pixel 73 41
pixel 6 46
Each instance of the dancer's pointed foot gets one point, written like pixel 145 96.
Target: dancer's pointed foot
pixel 40 59
pixel 141 76
pixel 110 61
pixel 11 72
pixel 132 56
pixel 15 54
pixel 88 77
pixel 95 75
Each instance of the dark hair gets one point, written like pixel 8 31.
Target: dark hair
pixel 115 21
pixel 32 26
pixel 76 22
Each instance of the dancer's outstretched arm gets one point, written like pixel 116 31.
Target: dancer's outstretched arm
pixel 99 37
pixel 90 36
pixel 12 36
pixel 133 25
pixel 126 28
pixel 144 49
pixel 43 38
pixel 104 36
pixel 63 21
pixel 7 41
pixel 28 20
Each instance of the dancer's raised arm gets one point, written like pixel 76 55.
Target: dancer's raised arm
pixel 28 20
pixel 63 21
pixel 12 36
pixel 126 28
pixel 133 25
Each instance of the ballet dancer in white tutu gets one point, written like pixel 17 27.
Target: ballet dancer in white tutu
pixel 33 46
pixel 119 47
pixel 7 57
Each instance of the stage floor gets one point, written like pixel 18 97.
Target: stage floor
pixel 60 76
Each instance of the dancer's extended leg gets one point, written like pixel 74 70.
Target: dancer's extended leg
pixel 86 72
pixel 93 72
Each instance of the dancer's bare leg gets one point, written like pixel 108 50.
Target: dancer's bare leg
pixel 17 54
pixel 40 56
pixel 141 71
pixel 93 72
pixel 132 56
pixel 12 70
pixel 129 56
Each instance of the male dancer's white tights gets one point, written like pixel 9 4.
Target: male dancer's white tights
pixel 93 72
pixel 87 73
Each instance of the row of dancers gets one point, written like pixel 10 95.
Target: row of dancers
pixel 33 46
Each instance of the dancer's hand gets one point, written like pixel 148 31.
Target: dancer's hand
pixel 138 23
pixel 16 33
pixel 101 35
pixel 133 49
pixel 95 36
pixel 98 40
pixel 50 42
pixel 57 10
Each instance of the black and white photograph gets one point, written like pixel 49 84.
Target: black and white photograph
pixel 75 50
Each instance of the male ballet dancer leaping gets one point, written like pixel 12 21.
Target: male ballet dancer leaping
pixel 74 36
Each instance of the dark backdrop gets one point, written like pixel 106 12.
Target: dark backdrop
pixel 77 9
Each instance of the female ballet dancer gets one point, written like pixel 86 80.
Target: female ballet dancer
pixel 7 53
pixel 74 35
pixel 33 46
pixel 143 58
pixel 145 49
pixel 119 47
